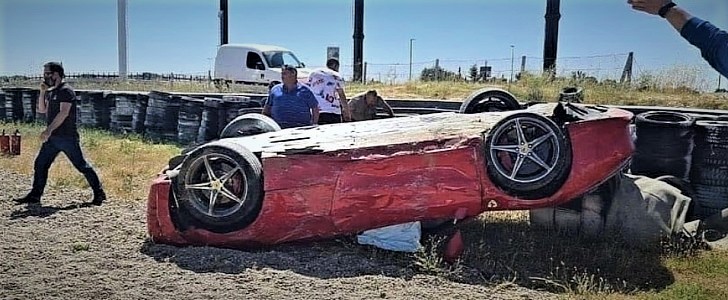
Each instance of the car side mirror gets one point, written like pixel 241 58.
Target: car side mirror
pixel 303 65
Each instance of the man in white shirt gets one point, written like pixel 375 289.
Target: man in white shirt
pixel 327 86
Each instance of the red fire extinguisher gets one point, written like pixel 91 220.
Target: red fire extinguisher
pixel 4 144
pixel 15 143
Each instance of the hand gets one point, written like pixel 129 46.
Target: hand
pixel 43 87
pixel 648 6
pixel 44 136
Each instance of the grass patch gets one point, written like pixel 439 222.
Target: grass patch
pixel 125 163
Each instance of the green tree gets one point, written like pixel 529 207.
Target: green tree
pixel 473 72
pixel 436 73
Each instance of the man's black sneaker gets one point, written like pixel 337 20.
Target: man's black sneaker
pixel 99 198
pixel 29 199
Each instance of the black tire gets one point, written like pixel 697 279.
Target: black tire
pixel 489 99
pixel 545 158
pixel 663 119
pixel 249 124
pixel 572 94
pixel 237 188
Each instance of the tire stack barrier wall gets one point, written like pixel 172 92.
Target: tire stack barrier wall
pixel 102 103
pixel 664 144
pixel 190 117
pixel 122 114
pixel 30 100
pixel 140 114
pixel 14 104
pixel 709 175
pixel 85 110
pixel 162 116
pixel 2 105
pixel 232 106
pixel 209 124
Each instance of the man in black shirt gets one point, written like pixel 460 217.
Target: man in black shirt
pixel 58 101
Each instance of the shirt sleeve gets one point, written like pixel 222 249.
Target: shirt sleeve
pixel 309 99
pixel 66 95
pixel 712 42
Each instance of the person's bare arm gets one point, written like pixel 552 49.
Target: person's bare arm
pixel 345 112
pixel 42 106
pixel 386 106
pixel 676 15
pixel 315 114
pixel 57 121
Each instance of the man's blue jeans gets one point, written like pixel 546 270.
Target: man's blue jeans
pixel 71 147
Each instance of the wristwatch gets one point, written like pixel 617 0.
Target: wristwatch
pixel 663 10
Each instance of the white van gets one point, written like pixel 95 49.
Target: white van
pixel 255 64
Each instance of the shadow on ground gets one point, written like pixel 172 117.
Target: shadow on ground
pixel 496 252
pixel 40 211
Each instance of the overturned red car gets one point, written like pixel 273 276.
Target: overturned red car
pixel 259 185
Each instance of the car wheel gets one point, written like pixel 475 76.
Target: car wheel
pixel 528 156
pixel 489 99
pixel 249 124
pixel 220 187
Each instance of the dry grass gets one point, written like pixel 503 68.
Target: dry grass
pixel 125 164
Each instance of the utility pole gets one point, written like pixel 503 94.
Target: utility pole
pixel 410 57
pixel 122 38
pixel 512 57
pixel 551 40
pixel 223 15
pixel 358 39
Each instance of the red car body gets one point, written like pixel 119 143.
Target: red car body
pixel 342 189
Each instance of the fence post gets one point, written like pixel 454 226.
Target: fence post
pixel 437 69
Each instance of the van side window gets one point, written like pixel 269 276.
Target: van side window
pixel 254 61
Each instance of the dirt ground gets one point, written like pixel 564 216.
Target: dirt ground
pixel 63 249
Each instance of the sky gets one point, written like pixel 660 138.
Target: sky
pixel 181 36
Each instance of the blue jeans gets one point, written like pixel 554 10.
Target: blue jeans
pixel 71 147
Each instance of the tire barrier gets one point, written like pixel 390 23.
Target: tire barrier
pixel 2 105
pixel 122 115
pixel 190 117
pixel 102 104
pixel 664 144
pixel 13 104
pixel 210 120
pixel 94 109
pixel 30 100
pixel 140 114
pixel 162 116
pixel 709 174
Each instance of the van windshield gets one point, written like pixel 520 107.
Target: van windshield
pixel 277 59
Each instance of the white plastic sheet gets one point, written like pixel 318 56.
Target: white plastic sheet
pixel 401 237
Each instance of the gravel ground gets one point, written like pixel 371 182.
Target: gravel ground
pixel 63 249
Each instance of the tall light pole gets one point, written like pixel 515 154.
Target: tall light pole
pixel 121 10
pixel 410 65
pixel 509 82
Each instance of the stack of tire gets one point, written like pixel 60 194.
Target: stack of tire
pixel 2 105
pixel 140 114
pixel 210 122
pixel 709 175
pixel 232 106
pixel 190 117
pixel 123 113
pixel 102 103
pixel 86 116
pixel 663 145
pixel 29 99
pixel 162 116
pixel 14 104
